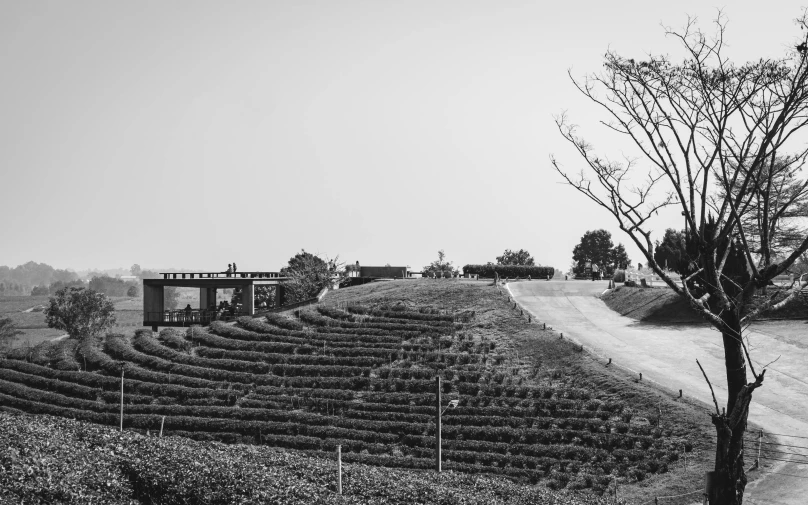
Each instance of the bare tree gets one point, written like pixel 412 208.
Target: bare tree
pixel 707 129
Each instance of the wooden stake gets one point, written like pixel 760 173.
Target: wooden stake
pixel 121 399
pixel 339 469
pixel 437 424
pixel 162 422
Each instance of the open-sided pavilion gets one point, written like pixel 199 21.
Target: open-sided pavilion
pixel 155 313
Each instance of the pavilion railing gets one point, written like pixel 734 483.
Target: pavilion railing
pixel 181 316
pixel 221 275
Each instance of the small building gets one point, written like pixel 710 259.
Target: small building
pixel 358 274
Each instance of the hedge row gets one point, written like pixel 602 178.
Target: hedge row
pixel 292 359
pixel 509 271
pixel 257 331
pixel 222 370
pixel 131 385
pixel 282 322
pixel 316 320
pixel 342 349
pixel 306 339
pixel 464 316
pixel 378 317
pixel 302 423
pixel 495 390
pixel 59 354
pixel 175 338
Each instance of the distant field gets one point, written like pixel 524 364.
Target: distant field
pixel 12 304
pixel 32 323
pixel 129 312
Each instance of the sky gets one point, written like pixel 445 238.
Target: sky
pixel 191 134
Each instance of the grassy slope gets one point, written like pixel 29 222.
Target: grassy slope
pixel 663 306
pixel 46 459
pixel 556 360
pixel 658 305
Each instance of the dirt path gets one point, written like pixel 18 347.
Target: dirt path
pixel 667 355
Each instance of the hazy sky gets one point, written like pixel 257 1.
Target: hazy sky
pixel 193 134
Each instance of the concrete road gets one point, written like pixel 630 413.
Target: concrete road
pixel 667 356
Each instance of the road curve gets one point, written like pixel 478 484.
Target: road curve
pixel 667 355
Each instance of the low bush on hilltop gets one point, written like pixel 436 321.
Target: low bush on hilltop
pixel 46 459
pixel 511 271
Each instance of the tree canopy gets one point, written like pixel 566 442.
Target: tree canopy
pixel 80 312
pixel 520 257
pixel 596 247
pixel 671 253
pixel 308 274
pixel 440 267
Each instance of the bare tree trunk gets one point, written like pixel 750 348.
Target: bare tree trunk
pixel 729 481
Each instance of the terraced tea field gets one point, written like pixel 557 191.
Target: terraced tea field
pixel 359 376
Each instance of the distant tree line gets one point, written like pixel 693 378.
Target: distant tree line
pixel 22 279
pixel 112 286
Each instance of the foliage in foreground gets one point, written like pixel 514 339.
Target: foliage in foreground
pixel 47 459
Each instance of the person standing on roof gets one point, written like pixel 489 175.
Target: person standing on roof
pixel 229 269
pixel 234 267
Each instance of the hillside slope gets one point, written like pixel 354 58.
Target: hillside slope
pixel 359 371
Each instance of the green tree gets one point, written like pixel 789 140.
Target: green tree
pixel 703 131
pixel 619 259
pixel 308 274
pixel 56 286
pixel 135 270
pixel 671 253
pixel 7 333
pixel 81 312
pixel 520 257
pixel 596 247
pixel 440 267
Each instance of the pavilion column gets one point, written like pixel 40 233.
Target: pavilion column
pixel 153 303
pixel 280 294
pixel 248 299
pixel 207 298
